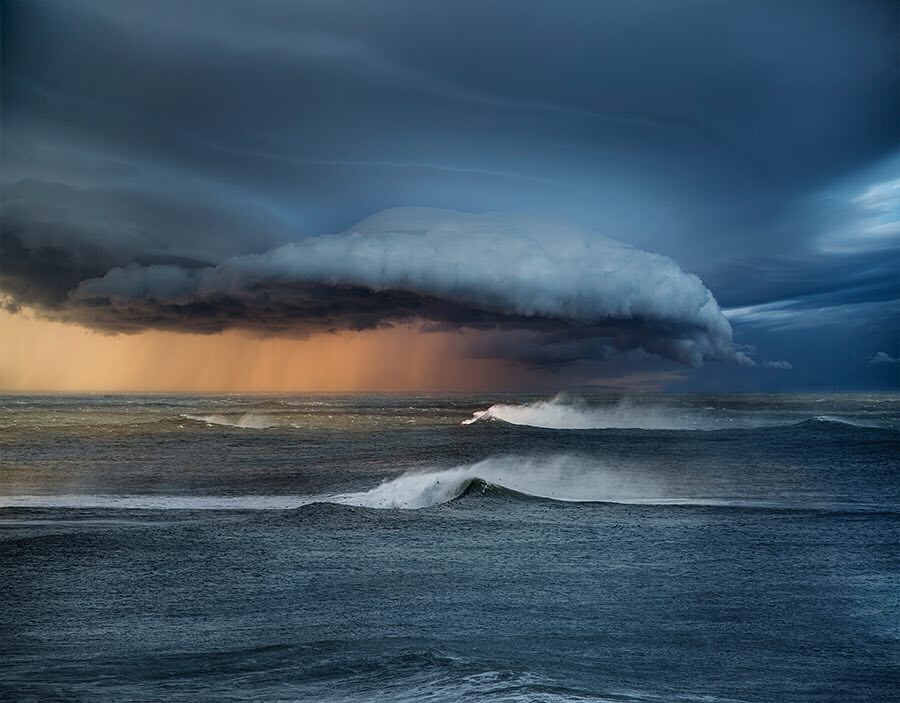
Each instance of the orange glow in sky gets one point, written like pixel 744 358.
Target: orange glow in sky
pixel 36 355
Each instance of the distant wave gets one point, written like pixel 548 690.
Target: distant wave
pixel 409 681
pixel 847 421
pixel 561 413
pixel 247 421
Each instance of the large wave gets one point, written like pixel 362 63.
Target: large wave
pixel 571 413
pixel 563 413
pixel 563 477
pixel 834 419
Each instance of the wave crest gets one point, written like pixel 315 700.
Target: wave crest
pixel 835 420
pixel 563 478
pixel 562 413
pixel 247 421
pixel 560 477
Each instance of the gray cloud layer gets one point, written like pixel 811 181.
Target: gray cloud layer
pixel 492 271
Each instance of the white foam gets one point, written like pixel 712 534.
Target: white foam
pixel 561 477
pixel 247 421
pixel 561 413
pixel 846 421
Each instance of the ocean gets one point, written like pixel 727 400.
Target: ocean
pixel 588 547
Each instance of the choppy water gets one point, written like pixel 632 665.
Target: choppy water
pixel 376 548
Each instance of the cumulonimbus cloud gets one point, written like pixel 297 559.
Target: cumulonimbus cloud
pixel 581 292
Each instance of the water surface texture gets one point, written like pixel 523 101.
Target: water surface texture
pixel 444 548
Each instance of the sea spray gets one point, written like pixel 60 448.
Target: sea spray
pixel 246 421
pixel 561 477
pixel 564 413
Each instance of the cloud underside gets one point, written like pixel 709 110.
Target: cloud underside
pixel 545 292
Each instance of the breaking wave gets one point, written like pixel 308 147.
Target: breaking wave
pixel 562 478
pixel 561 413
pixel 833 419
pixel 247 421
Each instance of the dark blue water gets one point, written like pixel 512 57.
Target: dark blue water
pixel 376 548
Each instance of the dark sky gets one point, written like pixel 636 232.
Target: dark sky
pixel 755 144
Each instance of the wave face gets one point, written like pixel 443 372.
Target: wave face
pixel 834 419
pixel 562 478
pixel 562 413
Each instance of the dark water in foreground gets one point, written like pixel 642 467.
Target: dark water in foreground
pixel 377 549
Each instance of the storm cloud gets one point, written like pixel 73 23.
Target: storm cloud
pixel 571 288
pixel 164 163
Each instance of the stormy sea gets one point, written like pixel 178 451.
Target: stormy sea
pixel 588 547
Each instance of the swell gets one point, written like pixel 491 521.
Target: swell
pixel 570 480
pixel 848 422
pixel 503 479
pixel 562 413
pixel 559 477
pixel 78 501
pixel 11 507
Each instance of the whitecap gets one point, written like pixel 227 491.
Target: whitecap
pixel 247 421
pixel 563 413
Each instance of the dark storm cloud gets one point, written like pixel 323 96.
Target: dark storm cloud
pixel 753 142
pixel 54 235
pixel 580 294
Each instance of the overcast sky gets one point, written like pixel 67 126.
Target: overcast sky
pixel 563 172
